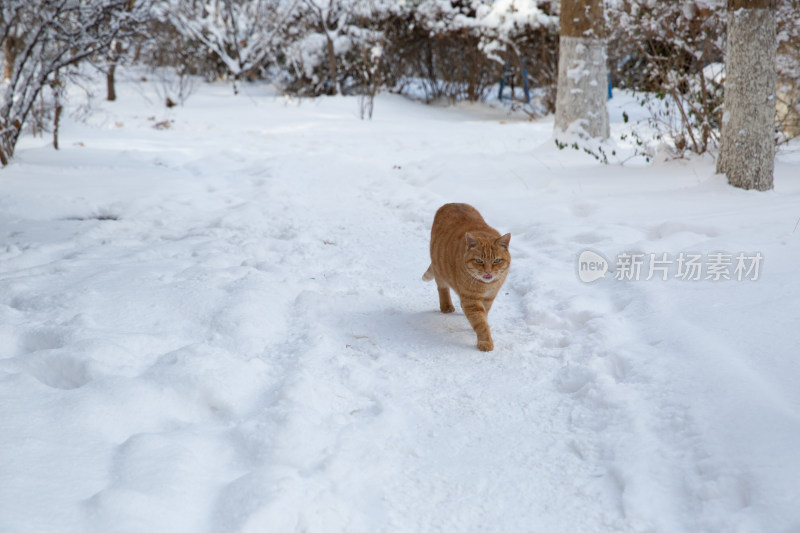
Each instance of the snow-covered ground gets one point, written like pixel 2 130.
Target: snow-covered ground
pixel 219 326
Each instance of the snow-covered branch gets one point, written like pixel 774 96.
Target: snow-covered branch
pixel 243 35
pixel 49 36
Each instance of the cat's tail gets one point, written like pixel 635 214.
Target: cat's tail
pixel 428 275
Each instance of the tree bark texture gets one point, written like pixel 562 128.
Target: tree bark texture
pixel 111 91
pixel 114 52
pixel 332 70
pixel 582 86
pixel 10 55
pixel 582 71
pixel 582 18
pixel 747 151
pixel 58 90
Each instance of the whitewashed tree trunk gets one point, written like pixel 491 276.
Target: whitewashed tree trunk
pixel 747 151
pixel 582 71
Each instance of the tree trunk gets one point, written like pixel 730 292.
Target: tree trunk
pixel 113 58
pixel 747 151
pixel 110 85
pixel 332 70
pixel 58 89
pixel 10 52
pixel 582 72
pixel 3 156
pixel 9 133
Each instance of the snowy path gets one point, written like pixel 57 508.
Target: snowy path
pixel 221 327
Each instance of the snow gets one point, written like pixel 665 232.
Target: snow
pixel 220 326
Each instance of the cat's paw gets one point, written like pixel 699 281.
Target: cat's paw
pixel 486 346
pixel 447 308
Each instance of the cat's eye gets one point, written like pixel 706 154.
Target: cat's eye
pixel 479 261
pixel 496 260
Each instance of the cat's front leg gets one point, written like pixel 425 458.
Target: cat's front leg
pixel 445 303
pixel 475 312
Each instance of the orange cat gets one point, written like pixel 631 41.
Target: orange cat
pixel 471 258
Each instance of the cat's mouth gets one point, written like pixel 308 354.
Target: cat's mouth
pixel 487 277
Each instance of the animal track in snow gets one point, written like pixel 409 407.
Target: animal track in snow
pixel 668 229
pixel 58 369
pixel 573 378
pixel 584 209
pixel 44 338
pixel 589 238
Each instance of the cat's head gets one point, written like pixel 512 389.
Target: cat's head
pixel 487 259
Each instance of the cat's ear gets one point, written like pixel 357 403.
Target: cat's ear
pixel 472 242
pixel 504 241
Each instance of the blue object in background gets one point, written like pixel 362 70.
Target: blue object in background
pixel 506 72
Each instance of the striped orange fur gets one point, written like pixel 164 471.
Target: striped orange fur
pixel 472 258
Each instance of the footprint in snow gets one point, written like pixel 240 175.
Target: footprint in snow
pixel 571 379
pixel 585 209
pixel 58 369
